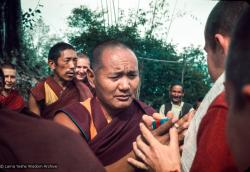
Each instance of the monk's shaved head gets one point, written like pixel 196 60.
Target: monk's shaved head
pixel 96 61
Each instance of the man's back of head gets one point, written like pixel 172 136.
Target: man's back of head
pixel 222 19
pixel 218 31
pixel 238 92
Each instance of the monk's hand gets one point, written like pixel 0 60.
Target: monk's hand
pixel 155 155
pixel 183 124
pixel 148 120
pixel 162 132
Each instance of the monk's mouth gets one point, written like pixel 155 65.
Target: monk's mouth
pixel 70 74
pixel 123 98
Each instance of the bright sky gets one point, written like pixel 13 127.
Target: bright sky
pixel 183 32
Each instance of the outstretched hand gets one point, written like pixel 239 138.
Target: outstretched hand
pixel 156 156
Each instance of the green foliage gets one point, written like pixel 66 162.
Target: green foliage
pixel 36 44
pixel 89 28
pixel 30 17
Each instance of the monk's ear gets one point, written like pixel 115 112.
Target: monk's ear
pixel 91 77
pixel 51 64
pixel 222 42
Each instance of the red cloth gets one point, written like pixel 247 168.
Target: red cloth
pixel 113 140
pixel 13 101
pixel 30 141
pixel 213 153
pixel 76 91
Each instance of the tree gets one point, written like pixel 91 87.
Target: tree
pixel 10 30
pixel 36 44
pixel 159 62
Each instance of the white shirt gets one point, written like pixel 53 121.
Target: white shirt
pixel 175 109
pixel 189 147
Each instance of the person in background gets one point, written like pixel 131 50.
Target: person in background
pixel 82 65
pixel 33 144
pixel 176 107
pixel 10 97
pixel 61 88
pixel 237 87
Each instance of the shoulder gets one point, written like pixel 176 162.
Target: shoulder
pixel 38 90
pixel 214 120
pixel 219 101
pixel 73 109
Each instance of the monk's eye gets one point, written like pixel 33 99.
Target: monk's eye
pixel 115 77
pixel 132 75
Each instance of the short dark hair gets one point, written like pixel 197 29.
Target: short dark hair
pixel 222 19
pixel 55 50
pixel 238 61
pixel 96 60
pixel 174 84
pixel 8 65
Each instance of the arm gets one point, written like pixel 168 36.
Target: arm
pixel 33 106
pixel 63 119
pixel 120 165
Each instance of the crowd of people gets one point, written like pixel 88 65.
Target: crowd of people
pixel 86 115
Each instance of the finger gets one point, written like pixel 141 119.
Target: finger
pixel 174 119
pixel 174 142
pixel 158 116
pixel 170 114
pixel 137 152
pixel 141 144
pixel 147 120
pixel 179 128
pixel 137 164
pixel 182 123
pixel 191 115
pixel 148 136
pixel 185 124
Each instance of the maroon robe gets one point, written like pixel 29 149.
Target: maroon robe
pixel 13 101
pixel 76 91
pixel 113 140
pixel 34 141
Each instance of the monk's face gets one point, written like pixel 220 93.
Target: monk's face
pixel 64 69
pixel 81 68
pixel 9 78
pixel 116 81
